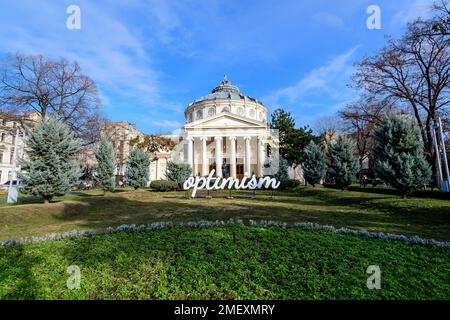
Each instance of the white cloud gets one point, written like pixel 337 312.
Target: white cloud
pixel 328 79
pixel 106 49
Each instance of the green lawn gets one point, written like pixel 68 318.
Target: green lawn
pixel 189 263
pixel 426 214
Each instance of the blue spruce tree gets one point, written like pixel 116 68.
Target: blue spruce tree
pixel 344 165
pixel 138 168
pixel 104 171
pixel 398 154
pixel 178 172
pixel 313 164
pixel 50 168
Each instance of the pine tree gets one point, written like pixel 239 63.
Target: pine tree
pixel 398 154
pixel 104 171
pixel 344 165
pixel 138 168
pixel 178 172
pixel 50 168
pixel 313 164
pixel 283 170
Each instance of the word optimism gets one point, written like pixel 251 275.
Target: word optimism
pixel 213 183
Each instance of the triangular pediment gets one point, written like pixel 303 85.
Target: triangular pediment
pixel 226 120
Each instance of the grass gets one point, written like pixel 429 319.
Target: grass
pixel 262 263
pixel 376 209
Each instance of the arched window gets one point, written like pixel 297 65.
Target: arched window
pixel 199 114
pixel 211 111
pixel 240 111
pixel 189 117
pixel 252 113
pixel 226 109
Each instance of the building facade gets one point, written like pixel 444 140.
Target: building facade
pixel 7 146
pixel 11 142
pixel 227 131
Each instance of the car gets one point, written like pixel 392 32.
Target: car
pixel 83 185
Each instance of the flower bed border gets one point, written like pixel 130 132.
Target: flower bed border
pixel 220 223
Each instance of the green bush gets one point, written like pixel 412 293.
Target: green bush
pixel 178 172
pixel 289 184
pixel 164 185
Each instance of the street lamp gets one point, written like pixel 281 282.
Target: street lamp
pixel 444 184
pixel 13 189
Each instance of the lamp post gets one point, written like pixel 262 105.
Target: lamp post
pixel 12 190
pixel 444 183
pixel 438 156
pixel 444 151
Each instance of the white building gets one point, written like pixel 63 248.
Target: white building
pixel 7 143
pixel 10 141
pixel 227 131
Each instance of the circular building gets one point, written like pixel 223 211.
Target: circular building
pixel 227 131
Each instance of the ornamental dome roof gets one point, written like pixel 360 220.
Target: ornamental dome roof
pixel 224 91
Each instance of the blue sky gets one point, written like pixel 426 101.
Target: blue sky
pixel 151 58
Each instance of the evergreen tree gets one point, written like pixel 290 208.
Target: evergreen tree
pixel 138 168
pixel 292 140
pixel 313 164
pixel 344 165
pixel 398 154
pixel 283 170
pixel 51 167
pixel 178 172
pixel 104 171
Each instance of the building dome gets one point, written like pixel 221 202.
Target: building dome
pixel 226 97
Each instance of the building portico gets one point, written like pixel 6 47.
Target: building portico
pixel 228 132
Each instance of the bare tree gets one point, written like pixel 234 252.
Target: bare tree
pixel 359 120
pixel 441 21
pixel 413 72
pixel 329 125
pixel 35 84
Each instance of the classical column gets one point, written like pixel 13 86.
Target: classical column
pixel 233 157
pixel 190 153
pixel 205 164
pixel 247 169
pixel 218 156
pixel 261 156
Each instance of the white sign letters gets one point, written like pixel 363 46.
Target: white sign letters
pixel 213 183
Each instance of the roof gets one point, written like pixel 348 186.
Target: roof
pixel 224 91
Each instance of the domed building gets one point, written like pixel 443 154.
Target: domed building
pixel 227 131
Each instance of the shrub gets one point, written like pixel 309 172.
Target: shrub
pixel 283 170
pixel 289 184
pixel 164 185
pixel 178 172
